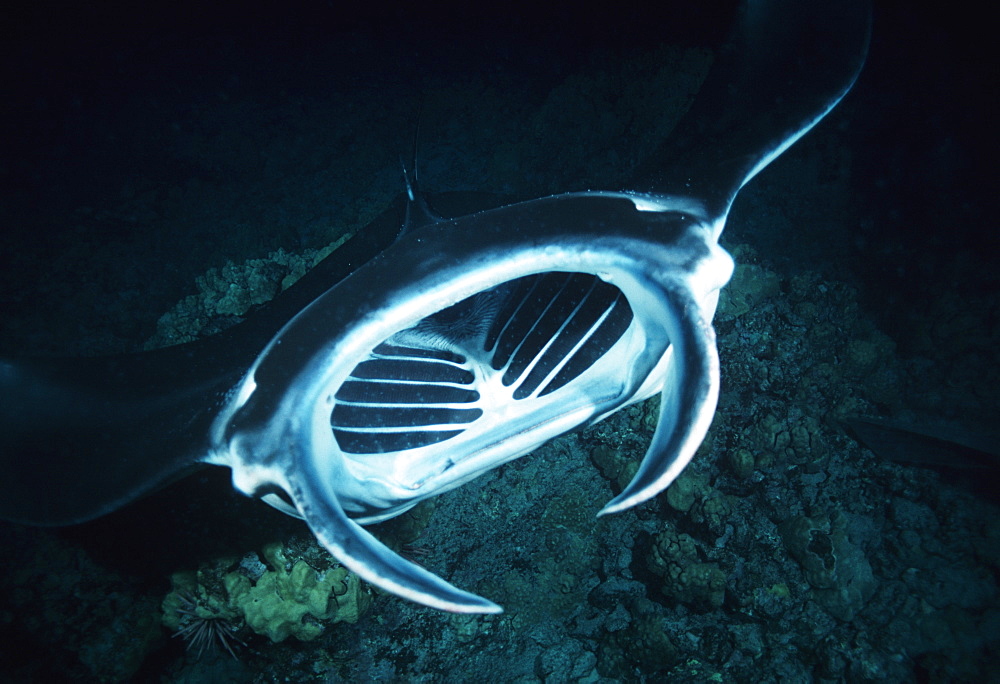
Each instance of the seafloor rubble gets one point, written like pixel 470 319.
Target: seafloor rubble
pixel 785 552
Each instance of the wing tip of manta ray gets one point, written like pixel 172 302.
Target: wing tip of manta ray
pixel 659 469
pixel 477 606
pixel 622 502
pixel 451 599
pixel 440 594
pixel 359 551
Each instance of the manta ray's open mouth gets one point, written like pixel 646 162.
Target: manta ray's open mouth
pixel 390 375
pixel 525 338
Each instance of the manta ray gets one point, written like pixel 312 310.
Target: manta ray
pixel 411 361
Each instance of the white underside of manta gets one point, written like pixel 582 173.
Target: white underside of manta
pixel 466 343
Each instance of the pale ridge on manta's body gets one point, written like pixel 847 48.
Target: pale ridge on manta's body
pixel 401 368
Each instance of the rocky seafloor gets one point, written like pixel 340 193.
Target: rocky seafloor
pixel 786 552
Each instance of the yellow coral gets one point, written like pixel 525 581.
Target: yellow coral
pixel 297 602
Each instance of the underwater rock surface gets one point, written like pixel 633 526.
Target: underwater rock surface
pixel 836 568
pixel 785 552
pixel 280 601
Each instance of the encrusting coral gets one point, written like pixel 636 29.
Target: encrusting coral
pixel 288 599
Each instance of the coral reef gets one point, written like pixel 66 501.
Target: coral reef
pixel 785 551
pixel 290 599
pixel 750 286
pixel 293 599
pixel 91 623
pixel 228 293
pixel 686 578
pixel 837 569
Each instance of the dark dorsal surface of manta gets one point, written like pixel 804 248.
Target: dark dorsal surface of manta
pixel 407 364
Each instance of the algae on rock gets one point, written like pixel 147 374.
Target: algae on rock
pixel 289 599
pixel 840 574
pixel 298 601
pixel 689 580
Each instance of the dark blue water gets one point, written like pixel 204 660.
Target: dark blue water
pixel 165 170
